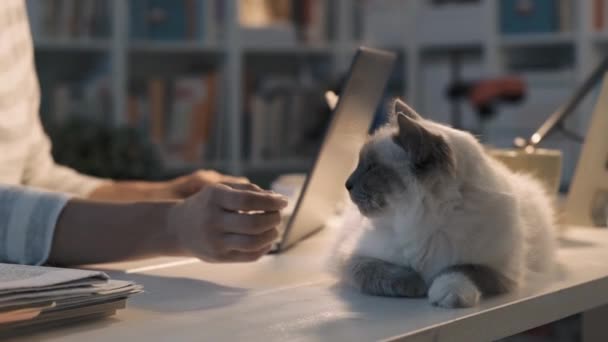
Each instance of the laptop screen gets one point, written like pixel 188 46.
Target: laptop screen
pixel 324 188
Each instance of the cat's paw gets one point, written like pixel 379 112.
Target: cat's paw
pixel 406 283
pixel 410 285
pixel 454 290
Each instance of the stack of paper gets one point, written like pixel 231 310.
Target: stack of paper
pixel 40 296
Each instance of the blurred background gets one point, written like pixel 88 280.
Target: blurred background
pixel 151 89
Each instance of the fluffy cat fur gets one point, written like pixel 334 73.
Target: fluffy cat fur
pixel 440 218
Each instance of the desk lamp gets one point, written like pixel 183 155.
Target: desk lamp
pixel 587 201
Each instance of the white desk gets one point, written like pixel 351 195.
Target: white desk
pixel 290 298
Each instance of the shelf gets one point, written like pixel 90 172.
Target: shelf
pixel 600 38
pixel 537 39
pixel 295 48
pixel 150 46
pixel 72 44
pixel 448 46
pixel 280 165
pixel 399 48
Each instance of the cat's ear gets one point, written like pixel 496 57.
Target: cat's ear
pixel 400 107
pixel 425 148
pixel 411 134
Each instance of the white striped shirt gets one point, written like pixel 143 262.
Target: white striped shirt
pixel 33 189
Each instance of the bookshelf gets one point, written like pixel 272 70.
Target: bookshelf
pixel 75 45
pixel 472 29
pixel 150 46
pixel 543 39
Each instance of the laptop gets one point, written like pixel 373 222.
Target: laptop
pixel 323 188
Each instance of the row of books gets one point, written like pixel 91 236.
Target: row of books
pixel 69 18
pixel 384 21
pixel 177 114
pixel 283 21
pixel 88 98
pixel 286 116
pixel 175 19
pixel 536 16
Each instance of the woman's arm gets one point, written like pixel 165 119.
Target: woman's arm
pixel 92 232
pixel 177 188
pixel 215 225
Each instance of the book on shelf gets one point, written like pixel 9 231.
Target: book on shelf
pixel 283 21
pixel 177 114
pixel 157 108
pixel 312 19
pixel 88 97
pixel 174 20
pixel 286 115
pixel 35 297
pixel 536 16
pixel 65 19
pixel 600 15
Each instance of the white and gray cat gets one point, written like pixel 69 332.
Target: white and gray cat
pixel 441 217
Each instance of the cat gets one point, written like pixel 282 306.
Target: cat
pixel 440 217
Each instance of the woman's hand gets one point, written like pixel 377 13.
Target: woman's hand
pixel 227 223
pixel 186 186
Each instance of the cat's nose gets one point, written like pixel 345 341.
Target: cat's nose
pixel 349 185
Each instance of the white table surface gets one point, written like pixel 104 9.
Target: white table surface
pixel 290 298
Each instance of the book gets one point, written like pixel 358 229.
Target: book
pixel 134 115
pixel 258 121
pixel 36 296
pixel 138 19
pixel 286 116
pixel 174 20
pixel 157 99
pixel 209 21
pixel 316 23
pixel 602 20
pixel 566 14
pixel 598 14
pixel 177 114
pixel 192 14
pixel 532 16
pixel 86 20
pixel 191 117
pixel 68 18
pixel 188 92
pixel 167 20
pixel 202 120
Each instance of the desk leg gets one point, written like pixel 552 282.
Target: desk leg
pixel 595 325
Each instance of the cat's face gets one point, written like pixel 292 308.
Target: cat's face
pixel 397 162
pixel 374 182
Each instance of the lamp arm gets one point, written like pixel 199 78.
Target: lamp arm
pixel 566 110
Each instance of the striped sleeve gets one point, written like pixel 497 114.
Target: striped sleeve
pixel 27 223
